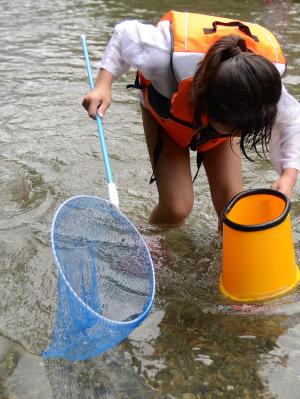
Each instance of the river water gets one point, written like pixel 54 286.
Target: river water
pixel 194 344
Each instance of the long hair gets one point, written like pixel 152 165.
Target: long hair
pixel 239 89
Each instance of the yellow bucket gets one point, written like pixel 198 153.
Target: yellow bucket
pixel 258 259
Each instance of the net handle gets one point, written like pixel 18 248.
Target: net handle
pixel 112 190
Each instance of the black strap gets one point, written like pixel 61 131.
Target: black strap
pixel 199 139
pixel 200 157
pixel 242 27
pixel 136 84
pixel 156 154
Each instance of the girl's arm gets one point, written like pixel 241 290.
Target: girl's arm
pixel 145 47
pixel 285 143
pixel 286 182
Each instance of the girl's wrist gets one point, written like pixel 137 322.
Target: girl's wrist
pixel 104 78
pixel 290 174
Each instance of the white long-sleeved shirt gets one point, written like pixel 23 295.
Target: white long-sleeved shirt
pixel 147 48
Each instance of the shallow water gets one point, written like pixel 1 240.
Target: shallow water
pixel 194 344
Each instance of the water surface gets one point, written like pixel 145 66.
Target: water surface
pixel 195 344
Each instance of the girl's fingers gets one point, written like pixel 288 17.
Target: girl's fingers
pixel 103 107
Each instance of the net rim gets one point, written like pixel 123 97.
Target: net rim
pixel 143 315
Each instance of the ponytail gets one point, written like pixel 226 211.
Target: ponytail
pixel 226 48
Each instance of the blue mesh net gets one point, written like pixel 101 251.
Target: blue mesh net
pixel 106 279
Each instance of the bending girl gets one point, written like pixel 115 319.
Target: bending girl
pixel 211 85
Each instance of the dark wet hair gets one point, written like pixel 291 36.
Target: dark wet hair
pixel 240 89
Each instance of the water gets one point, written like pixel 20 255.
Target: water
pixel 193 345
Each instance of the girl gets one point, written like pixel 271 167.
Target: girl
pixel 209 84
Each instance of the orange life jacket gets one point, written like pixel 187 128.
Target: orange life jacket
pixel 192 36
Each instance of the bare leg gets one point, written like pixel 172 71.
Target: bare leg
pixel 173 176
pixel 223 168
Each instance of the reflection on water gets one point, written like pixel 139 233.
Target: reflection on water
pixel 195 343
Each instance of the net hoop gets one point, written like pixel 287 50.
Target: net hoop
pixel 129 324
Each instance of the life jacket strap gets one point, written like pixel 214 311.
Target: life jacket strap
pixel 136 84
pixel 156 154
pixel 198 140
pixel 200 157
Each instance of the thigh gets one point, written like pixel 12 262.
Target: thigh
pixel 172 170
pixel 223 166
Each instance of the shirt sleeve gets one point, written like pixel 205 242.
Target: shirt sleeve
pixel 285 140
pixel 138 45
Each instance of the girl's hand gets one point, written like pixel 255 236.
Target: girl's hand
pixel 99 99
pixel 286 181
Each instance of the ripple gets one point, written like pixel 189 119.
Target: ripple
pixel 195 338
pixel 24 195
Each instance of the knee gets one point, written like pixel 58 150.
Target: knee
pixel 179 210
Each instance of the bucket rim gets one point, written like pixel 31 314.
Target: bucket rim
pixel 260 226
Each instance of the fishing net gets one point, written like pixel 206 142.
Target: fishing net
pixel 106 280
